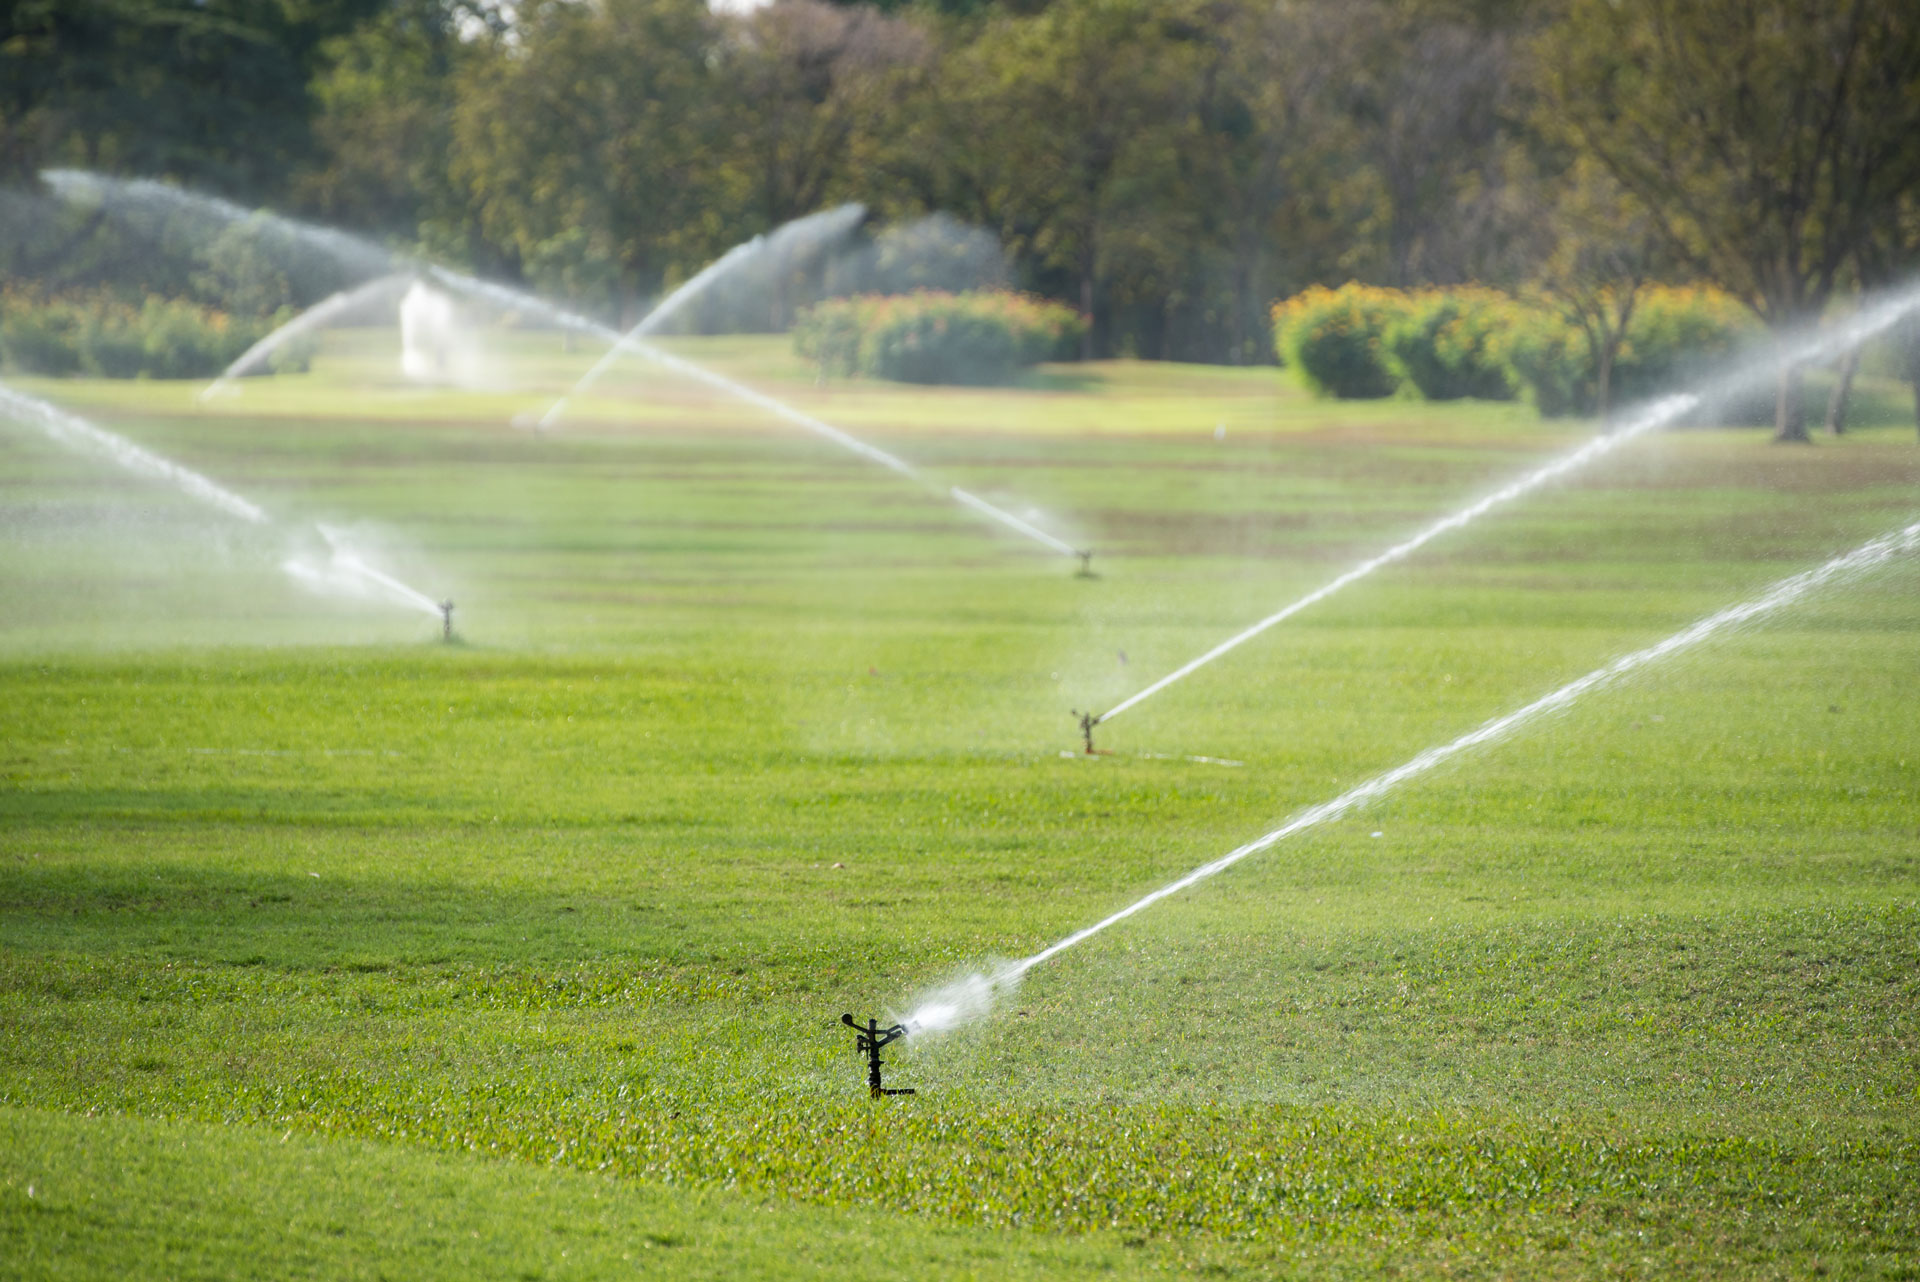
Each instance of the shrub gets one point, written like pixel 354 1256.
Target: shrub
pixel 1677 336
pixel 829 333
pixel 1447 344
pixel 1336 338
pixel 1549 359
pixel 108 338
pixel 39 340
pixel 928 337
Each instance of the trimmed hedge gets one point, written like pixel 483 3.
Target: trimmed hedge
pixel 1337 339
pixel 108 338
pixel 1360 341
pixel 1448 345
pixel 929 337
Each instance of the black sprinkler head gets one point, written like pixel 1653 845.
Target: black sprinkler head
pixel 1086 564
pixel 446 620
pixel 871 1038
pixel 1087 722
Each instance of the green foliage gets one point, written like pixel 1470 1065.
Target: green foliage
pixel 1550 359
pixel 37 338
pixel 1446 344
pixel 1634 994
pixel 1676 337
pixel 101 335
pixel 929 337
pixel 1360 342
pixel 1337 339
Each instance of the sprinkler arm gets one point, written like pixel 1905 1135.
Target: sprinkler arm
pixel 871 1038
pixel 1087 722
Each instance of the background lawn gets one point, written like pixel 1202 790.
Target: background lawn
pixel 325 947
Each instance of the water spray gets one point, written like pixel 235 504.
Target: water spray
pixel 74 432
pixel 364 256
pixel 871 1037
pixel 1863 325
pixel 941 1010
pixel 826 226
pixel 311 319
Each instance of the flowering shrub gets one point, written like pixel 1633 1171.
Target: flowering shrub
pixel 929 337
pixel 1676 336
pixel 1336 338
pixel 1446 344
pixel 1362 341
pixel 108 338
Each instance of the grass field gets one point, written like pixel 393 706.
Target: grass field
pixel 327 950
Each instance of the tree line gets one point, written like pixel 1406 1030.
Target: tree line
pixel 1167 167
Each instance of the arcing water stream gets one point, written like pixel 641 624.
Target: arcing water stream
pixel 342 570
pixel 780 409
pixel 1863 325
pixel 81 186
pixel 305 323
pixel 76 433
pixel 364 256
pixel 973 997
pixel 802 235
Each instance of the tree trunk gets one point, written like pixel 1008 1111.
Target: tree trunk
pixel 1842 393
pixel 1603 379
pixel 1789 415
pixel 1086 311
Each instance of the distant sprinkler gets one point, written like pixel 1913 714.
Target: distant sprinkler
pixel 1086 564
pixel 871 1038
pixel 446 619
pixel 1087 722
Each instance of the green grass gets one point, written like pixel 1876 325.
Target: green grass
pixel 307 922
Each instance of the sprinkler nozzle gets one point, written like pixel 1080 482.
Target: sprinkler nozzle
pixel 1086 564
pixel 871 1038
pixel 446 619
pixel 1087 722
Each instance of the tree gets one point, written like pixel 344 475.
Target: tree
pixel 1605 251
pixel 1054 128
pixel 583 143
pixel 211 92
pixel 1765 137
pixel 804 87
pixel 384 119
pixel 1264 169
pixel 1889 257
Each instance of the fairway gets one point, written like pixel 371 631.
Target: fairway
pixel 330 950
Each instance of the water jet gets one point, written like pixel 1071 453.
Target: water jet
pixel 982 991
pixel 1868 322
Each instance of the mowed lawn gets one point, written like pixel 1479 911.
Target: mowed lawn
pixel 329 950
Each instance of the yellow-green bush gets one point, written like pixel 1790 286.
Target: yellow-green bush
pixel 1362 341
pixel 1447 344
pixel 110 338
pixel 929 337
pixel 1676 337
pixel 1337 339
